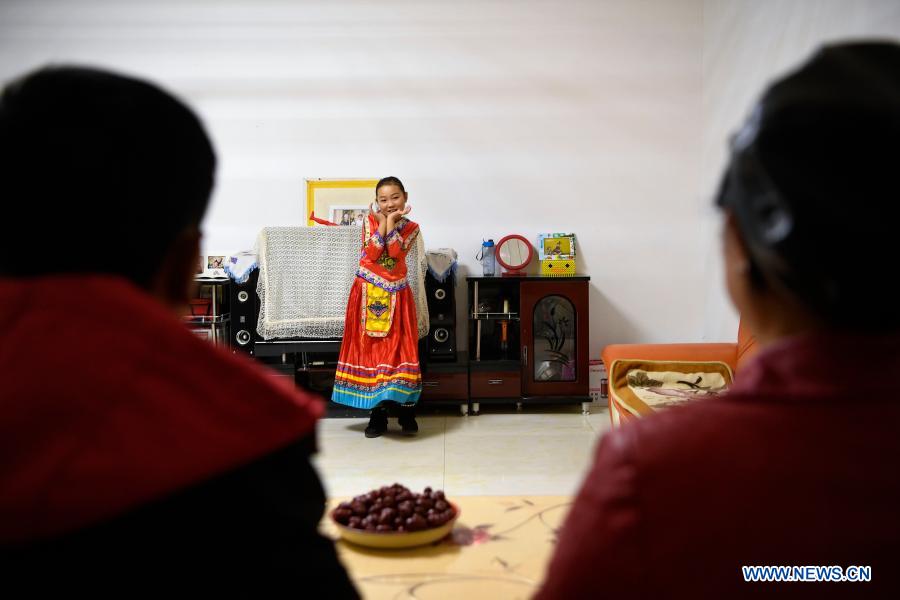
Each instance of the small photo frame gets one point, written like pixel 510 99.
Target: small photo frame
pixel 212 266
pixel 556 245
pixel 337 200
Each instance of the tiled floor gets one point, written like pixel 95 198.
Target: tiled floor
pixel 538 451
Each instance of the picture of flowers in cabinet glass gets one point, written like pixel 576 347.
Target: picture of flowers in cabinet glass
pixel 554 339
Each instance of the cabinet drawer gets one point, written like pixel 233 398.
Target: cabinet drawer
pixel 495 384
pixel 445 386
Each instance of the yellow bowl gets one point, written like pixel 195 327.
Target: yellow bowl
pixel 406 539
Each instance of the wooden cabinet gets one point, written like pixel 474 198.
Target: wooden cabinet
pixel 209 316
pixel 528 340
pixel 495 384
pixel 445 382
pixel 445 386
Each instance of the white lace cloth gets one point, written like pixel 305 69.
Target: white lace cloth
pixel 305 274
pixel 441 262
pixel 240 265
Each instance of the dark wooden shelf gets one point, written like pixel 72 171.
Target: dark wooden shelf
pixel 529 278
pixel 496 380
pixel 495 316
pixel 460 365
pixel 495 365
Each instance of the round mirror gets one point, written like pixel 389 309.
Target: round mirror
pixel 514 252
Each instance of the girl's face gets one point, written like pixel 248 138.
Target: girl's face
pixel 390 199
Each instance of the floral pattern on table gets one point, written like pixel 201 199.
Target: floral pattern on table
pixel 499 548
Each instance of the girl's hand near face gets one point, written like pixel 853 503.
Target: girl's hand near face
pixel 379 217
pixel 392 223
pixel 394 217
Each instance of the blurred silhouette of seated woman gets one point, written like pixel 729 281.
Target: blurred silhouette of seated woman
pixel 797 464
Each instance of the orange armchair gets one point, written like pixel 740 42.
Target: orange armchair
pixel 732 354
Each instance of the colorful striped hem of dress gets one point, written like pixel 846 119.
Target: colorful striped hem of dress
pixel 367 390
pixel 368 400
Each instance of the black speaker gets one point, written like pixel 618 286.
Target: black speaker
pixel 441 298
pixel 244 308
pixel 441 344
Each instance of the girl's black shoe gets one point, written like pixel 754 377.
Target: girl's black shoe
pixel 377 422
pixel 407 420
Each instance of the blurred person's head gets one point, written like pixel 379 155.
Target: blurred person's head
pixel 106 174
pixel 812 197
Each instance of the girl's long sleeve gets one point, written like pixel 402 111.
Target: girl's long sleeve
pixel 374 246
pixel 394 243
pixel 397 243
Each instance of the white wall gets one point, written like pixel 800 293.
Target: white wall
pixel 501 117
pixel 747 44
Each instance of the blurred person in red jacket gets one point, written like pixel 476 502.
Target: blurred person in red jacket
pixel 798 464
pixel 131 448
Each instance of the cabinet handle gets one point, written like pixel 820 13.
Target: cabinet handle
pixel 495 381
pixel 430 384
pixel 525 355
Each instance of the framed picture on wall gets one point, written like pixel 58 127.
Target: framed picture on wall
pixel 348 215
pixel 341 201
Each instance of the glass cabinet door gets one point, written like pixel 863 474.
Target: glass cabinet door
pixel 554 322
pixel 555 340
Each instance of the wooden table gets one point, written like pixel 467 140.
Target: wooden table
pixel 499 548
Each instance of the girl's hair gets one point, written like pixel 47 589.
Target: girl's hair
pixel 390 181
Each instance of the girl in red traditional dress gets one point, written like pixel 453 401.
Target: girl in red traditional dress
pixel 379 360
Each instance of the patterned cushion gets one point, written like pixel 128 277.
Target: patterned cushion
pixel 640 387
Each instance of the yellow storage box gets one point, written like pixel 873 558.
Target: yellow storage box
pixel 561 266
